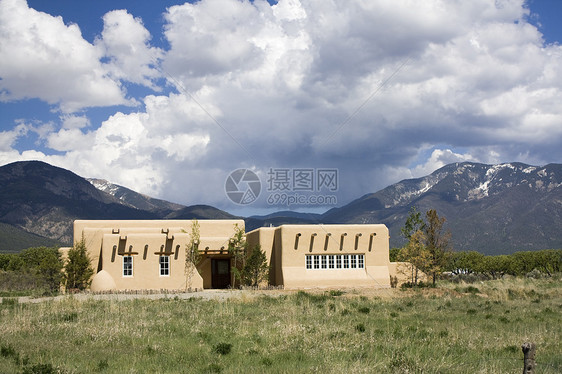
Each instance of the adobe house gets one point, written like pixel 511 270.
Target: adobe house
pixel 145 254
pixel 302 256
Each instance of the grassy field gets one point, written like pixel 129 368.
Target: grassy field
pixel 455 328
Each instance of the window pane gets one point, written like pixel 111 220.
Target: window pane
pixel 164 265
pixel 361 262
pixel 331 261
pixel 346 261
pixel 338 261
pixel 127 266
pixel 309 262
pixel 317 262
pixel 324 266
pixel 353 261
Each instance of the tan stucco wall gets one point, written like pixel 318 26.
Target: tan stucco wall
pixel 286 248
pixel 264 238
pixel 291 243
pixel 108 241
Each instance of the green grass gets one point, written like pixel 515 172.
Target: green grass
pixel 441 330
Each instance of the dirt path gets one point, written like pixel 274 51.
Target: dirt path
pixel 206 295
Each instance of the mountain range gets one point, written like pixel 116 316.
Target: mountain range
pixel 490 208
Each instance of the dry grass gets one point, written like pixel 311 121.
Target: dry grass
pixel 455 328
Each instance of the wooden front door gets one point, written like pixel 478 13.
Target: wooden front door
pixel 220 273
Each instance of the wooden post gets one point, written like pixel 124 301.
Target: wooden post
pixel 529 350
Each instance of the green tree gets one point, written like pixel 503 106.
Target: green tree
pixel 46 264
pixel 78 269
pixel 414 223
pixel 16 263
pixel 192 254
pixel 394 254
pixel 5 260
pixel 255 270
pixel 437 242
pixel 416 254
pixel 237 248
pixel 497 266
pixel 549 261
pixel 466 262
pixel 433 246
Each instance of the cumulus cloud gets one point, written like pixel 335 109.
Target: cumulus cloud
pixel 42 57
pixel 126 42
pixel 74 122
pixel 8 138
pixel 438 159
pixel 380 90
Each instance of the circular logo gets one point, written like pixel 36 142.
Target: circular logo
pixel 242 186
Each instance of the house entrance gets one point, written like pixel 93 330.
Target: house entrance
pixel 220 273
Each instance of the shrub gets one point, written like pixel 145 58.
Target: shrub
pixel 214 368
pixel 78 269
pixel 255 270
pixel 534 274
pixel 7 351
pixel 37 269
pixel 40 369
pixel 335 292
pixel 360 327
pixel 222 348
pixel 364 309
pixel 472 290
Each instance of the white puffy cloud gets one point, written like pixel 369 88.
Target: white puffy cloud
pixel 69 140
pixel 125 41
pixel 438 159
pixel 74 122
pixel 380 90
pixel 41 57
pixel 8 138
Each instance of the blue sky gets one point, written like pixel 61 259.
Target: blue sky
pixel 168 98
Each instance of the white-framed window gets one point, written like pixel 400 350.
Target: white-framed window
pixel 338 261
pixel 164 265
pixel 127 266
pixel 335 261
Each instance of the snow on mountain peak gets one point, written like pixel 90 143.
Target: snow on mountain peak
pixel 103 185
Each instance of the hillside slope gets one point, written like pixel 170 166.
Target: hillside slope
pixel 489 208
pixel 45 200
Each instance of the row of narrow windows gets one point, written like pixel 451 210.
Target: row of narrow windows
pixel 312 262
pixel 163 265
pixel 335 261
